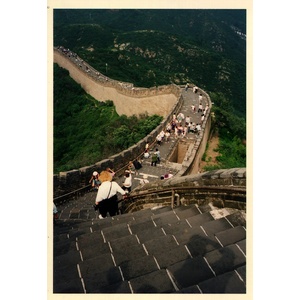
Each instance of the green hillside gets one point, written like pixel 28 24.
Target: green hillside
pixel 86 130
pixel 157 47
pixel 148 48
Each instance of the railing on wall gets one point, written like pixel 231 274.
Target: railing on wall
pixel 177 196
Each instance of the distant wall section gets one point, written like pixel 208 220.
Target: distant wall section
pixel 127 99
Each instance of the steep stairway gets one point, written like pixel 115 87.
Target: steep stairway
pixel 188 249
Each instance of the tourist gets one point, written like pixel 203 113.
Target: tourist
pixel 188 119
pixel 107 199
pixel 127 182
pixel 146 154
pixel 95 182
pixel 200 99
pixel 154 159
pixel 200 108
pixel 158 155
pixel 137 165
pixel 167 136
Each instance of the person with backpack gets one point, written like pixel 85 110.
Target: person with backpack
pixel 154 159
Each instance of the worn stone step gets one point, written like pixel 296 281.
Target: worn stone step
pixel 155 282
pixel 160 244
pixel 103 263
pixel 141 224
pixel 63 247
pixel 194 289
pixel 90 239
pixel 97 281
pixel 68 286
pixel 198 220
pixel 177 227
pixel 227 283
pixel 70 258
pixel 138 267
pixel 184 212
pixel 94 250
pixel 242 272
pixel 225 259
pixel 215 226
pixel 121 287
pixel 189 272
pixel 165 218
pixel 161 210
pixel 149 234
pixel 172 256
pixel 242 245
pixel 231 236
pixel 117 231
pixel 200 245
pixel 128 254
pixel 99 224
pixel 76 232
pixel 67 280
pixel 124 242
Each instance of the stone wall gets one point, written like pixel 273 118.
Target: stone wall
pixel 65 182
pixel 128 100
pixel 221 188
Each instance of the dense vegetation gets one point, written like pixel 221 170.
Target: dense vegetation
pixel 86 130
pixel 231 131
pixel 157 47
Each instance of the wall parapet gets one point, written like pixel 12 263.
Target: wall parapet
pixel 124 88
pixel 221 188
pixel 65 182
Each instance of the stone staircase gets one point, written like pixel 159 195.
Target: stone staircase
pixel 188 249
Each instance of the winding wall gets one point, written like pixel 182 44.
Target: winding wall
pixel 162 100
pixel 127 100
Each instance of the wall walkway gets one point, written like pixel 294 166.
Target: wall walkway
pixel 65 182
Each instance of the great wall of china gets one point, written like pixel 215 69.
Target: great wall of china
pixel 163 100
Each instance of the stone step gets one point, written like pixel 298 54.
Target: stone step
pixel 138 267
pixel 171 256
pixel 98 280
pixel 63 247
pixel 102 262
pixel 129 254
pixel 200 245
pixel 150 245
pixel 155 282
pixel 184 212
pixel 114 232
pixel 190 272
pixel 215 226
pixel 163 243
pixel 200 219
pixel 231 235
pixel 225 259
pixel 228 283
pixel 149 234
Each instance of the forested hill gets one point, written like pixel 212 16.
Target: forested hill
pixel 157 47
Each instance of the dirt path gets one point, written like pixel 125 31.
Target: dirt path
pixel 211 154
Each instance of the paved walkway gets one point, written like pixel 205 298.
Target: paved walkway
pixel 154 173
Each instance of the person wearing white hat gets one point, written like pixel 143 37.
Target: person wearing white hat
pixel 95 180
